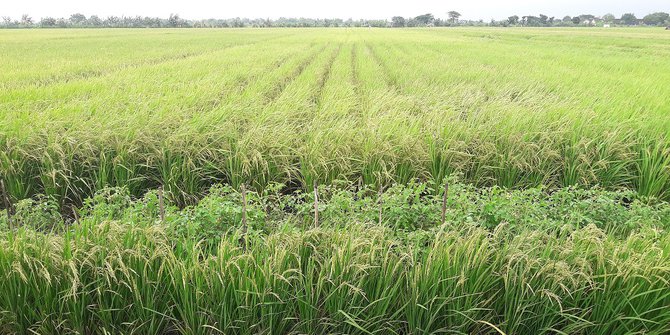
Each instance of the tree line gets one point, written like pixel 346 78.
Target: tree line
pixel 79 20
pixel 628 19
pixel 541 20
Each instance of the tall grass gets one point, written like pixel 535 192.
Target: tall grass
pixel 513 262
pixel 191 108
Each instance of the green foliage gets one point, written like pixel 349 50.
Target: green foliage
pixel 40 213
pixel 398 21
pixel 629 19
pixel 217 215
pixel 108 203
pixel 657 19
pixel 295 106
pixel 572 261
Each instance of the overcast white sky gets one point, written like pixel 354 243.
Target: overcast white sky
pixel 201 9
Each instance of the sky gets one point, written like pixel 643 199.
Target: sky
pixel 356 9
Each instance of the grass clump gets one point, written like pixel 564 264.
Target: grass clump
pixel 504 261
pixel 189 109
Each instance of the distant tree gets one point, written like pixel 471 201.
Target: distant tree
pixel 378 23
pixel 530 21
pixel 398 21
pixel 609 18
pixel 425 19
pixel 629 19
pixel 237 23
pixel 174 20
pixel 151 22
pixel 95 21
pixel 326 23
pixel 453 16
pixel 26 20
pixel 112 21
pixel 78 19
pixel 656 19
pixel 138 22
pixel 47 22
pixel 587 19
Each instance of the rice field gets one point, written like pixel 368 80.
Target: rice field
pixel 335 181
pixel 85 109
pixel 503 262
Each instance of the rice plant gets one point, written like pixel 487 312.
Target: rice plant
pixel 553 144
pixel 513 262
pixel 515 108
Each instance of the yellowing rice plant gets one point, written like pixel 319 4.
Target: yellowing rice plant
pixel 503 262
pixel 85 109
pixel 466 181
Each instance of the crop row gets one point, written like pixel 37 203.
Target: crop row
pixel 513 262
pixel 515 109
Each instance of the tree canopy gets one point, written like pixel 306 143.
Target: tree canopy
pixel 424 20
pixel 453 16
pixel 657 19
